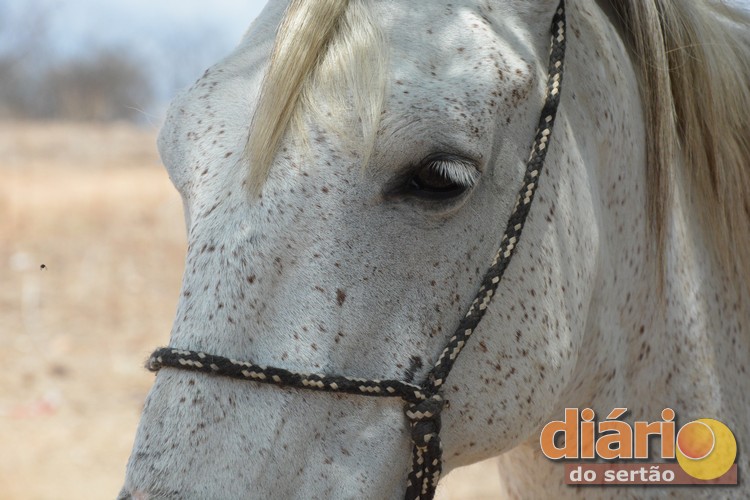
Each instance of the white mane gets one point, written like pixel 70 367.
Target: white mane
pixel 331 46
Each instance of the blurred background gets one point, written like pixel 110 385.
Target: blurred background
pixel 92 237
pixel 89 60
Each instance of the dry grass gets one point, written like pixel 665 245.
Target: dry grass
pixel 93 205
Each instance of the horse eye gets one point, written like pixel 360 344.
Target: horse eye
pixel 430 181
pixel 442 180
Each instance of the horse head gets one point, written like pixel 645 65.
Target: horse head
pixel 347 175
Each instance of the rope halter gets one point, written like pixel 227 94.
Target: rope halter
pixel 424 403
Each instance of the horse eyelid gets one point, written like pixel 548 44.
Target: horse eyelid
pixel 462 172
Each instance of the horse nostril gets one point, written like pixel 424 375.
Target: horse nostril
pixel 136 495
pixel 124 495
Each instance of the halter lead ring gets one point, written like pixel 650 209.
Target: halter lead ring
pixel 423 402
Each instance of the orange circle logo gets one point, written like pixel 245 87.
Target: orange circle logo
pixel 706 448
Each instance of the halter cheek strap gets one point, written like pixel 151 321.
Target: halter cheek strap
pixel 423 402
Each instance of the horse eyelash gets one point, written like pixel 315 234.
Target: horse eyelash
pixel 463 173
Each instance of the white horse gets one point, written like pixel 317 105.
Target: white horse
pixel 348 234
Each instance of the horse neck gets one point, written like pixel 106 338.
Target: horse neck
pixel 688 351
pixel 657 333
pixel 648 344
pixel 682 342
pixel 664 334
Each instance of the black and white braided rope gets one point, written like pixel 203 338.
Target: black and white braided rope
pixel 423 402
pixel 244 370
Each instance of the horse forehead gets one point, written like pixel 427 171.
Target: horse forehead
pixel 464 50
pixel 472 29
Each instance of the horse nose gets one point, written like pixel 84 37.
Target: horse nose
pixel 126 495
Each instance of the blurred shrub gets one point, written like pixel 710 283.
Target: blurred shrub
pixel 104 87
pixel 102 84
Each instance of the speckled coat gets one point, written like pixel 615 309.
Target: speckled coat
pixel 329 271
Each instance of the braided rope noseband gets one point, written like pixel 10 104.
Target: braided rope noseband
pixel 423 402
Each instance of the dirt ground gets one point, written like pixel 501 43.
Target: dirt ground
pixel 91 253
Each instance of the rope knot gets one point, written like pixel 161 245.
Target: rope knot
pixel 424 417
